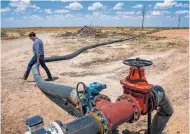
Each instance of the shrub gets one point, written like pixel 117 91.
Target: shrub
pixel 3 34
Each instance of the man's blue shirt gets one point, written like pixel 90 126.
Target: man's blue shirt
pixel 38 48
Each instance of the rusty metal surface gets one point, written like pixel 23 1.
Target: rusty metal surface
pixel 101 100
pixel 117 113
pixel 136 107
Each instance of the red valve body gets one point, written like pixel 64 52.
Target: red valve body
pixel 136 85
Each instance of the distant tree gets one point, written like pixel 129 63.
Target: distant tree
pixel 179 20
pixel 143 15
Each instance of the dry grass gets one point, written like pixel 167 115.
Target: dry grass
pixel 40 29
pixel 5 35
pixel 14 33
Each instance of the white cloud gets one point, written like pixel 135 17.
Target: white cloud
pixel 67 0
pixel 34 6
pixel 97 13
pixel 130 13
pixel 48 11
pixel 60 17
pixel 158 13
pixel 21 5
pixel 95 6
pixel 7 9
pixel 69 16
pixel 138 6
pixel 182 12
pixel 125 14
pixel 118 6
pixel 165 12
pixel 155 13
pixel 169 4
pixel 35 17
pixel 173 18
pixel 168 17
pixel 182 5
pixel 74 6
pixel 165 4
pixel 61 11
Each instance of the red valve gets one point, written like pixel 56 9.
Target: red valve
pixel 136 85
pixel 136 80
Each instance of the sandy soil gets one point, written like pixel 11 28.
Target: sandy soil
pixel 21 99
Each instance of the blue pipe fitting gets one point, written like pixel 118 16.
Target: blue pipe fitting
pixel 95 88
pixel 92 91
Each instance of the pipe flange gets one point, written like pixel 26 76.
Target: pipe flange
pixel 100 117
pixel 62 126
pixel 135 105
pixel 99 97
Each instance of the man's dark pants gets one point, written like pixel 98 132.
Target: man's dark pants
pixel 42 63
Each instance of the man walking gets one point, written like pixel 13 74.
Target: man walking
pixel 38 57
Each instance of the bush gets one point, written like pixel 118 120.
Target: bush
pixel 3 34
pixel 21 32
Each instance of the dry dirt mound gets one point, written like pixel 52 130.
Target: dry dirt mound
pixel 86 31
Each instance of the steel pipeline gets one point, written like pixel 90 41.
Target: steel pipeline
pixel 105 117
pixel 102 119
pixel 61 91
pixel 84 125
pixel 57 92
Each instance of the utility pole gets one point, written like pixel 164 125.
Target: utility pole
pixel 179 20
pixel 143 15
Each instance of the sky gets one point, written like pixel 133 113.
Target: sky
pixel 27 13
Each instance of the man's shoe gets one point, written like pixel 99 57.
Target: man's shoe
pixel 49 79
pixel 23 78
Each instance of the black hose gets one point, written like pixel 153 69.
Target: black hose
pixel 58 90
pixel 64 96
pixel 77 52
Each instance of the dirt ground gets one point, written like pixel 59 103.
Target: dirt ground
pixel 168 49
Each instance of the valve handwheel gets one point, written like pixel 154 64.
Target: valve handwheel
pixel 137 62
pixel 80 91
pixel 81 94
